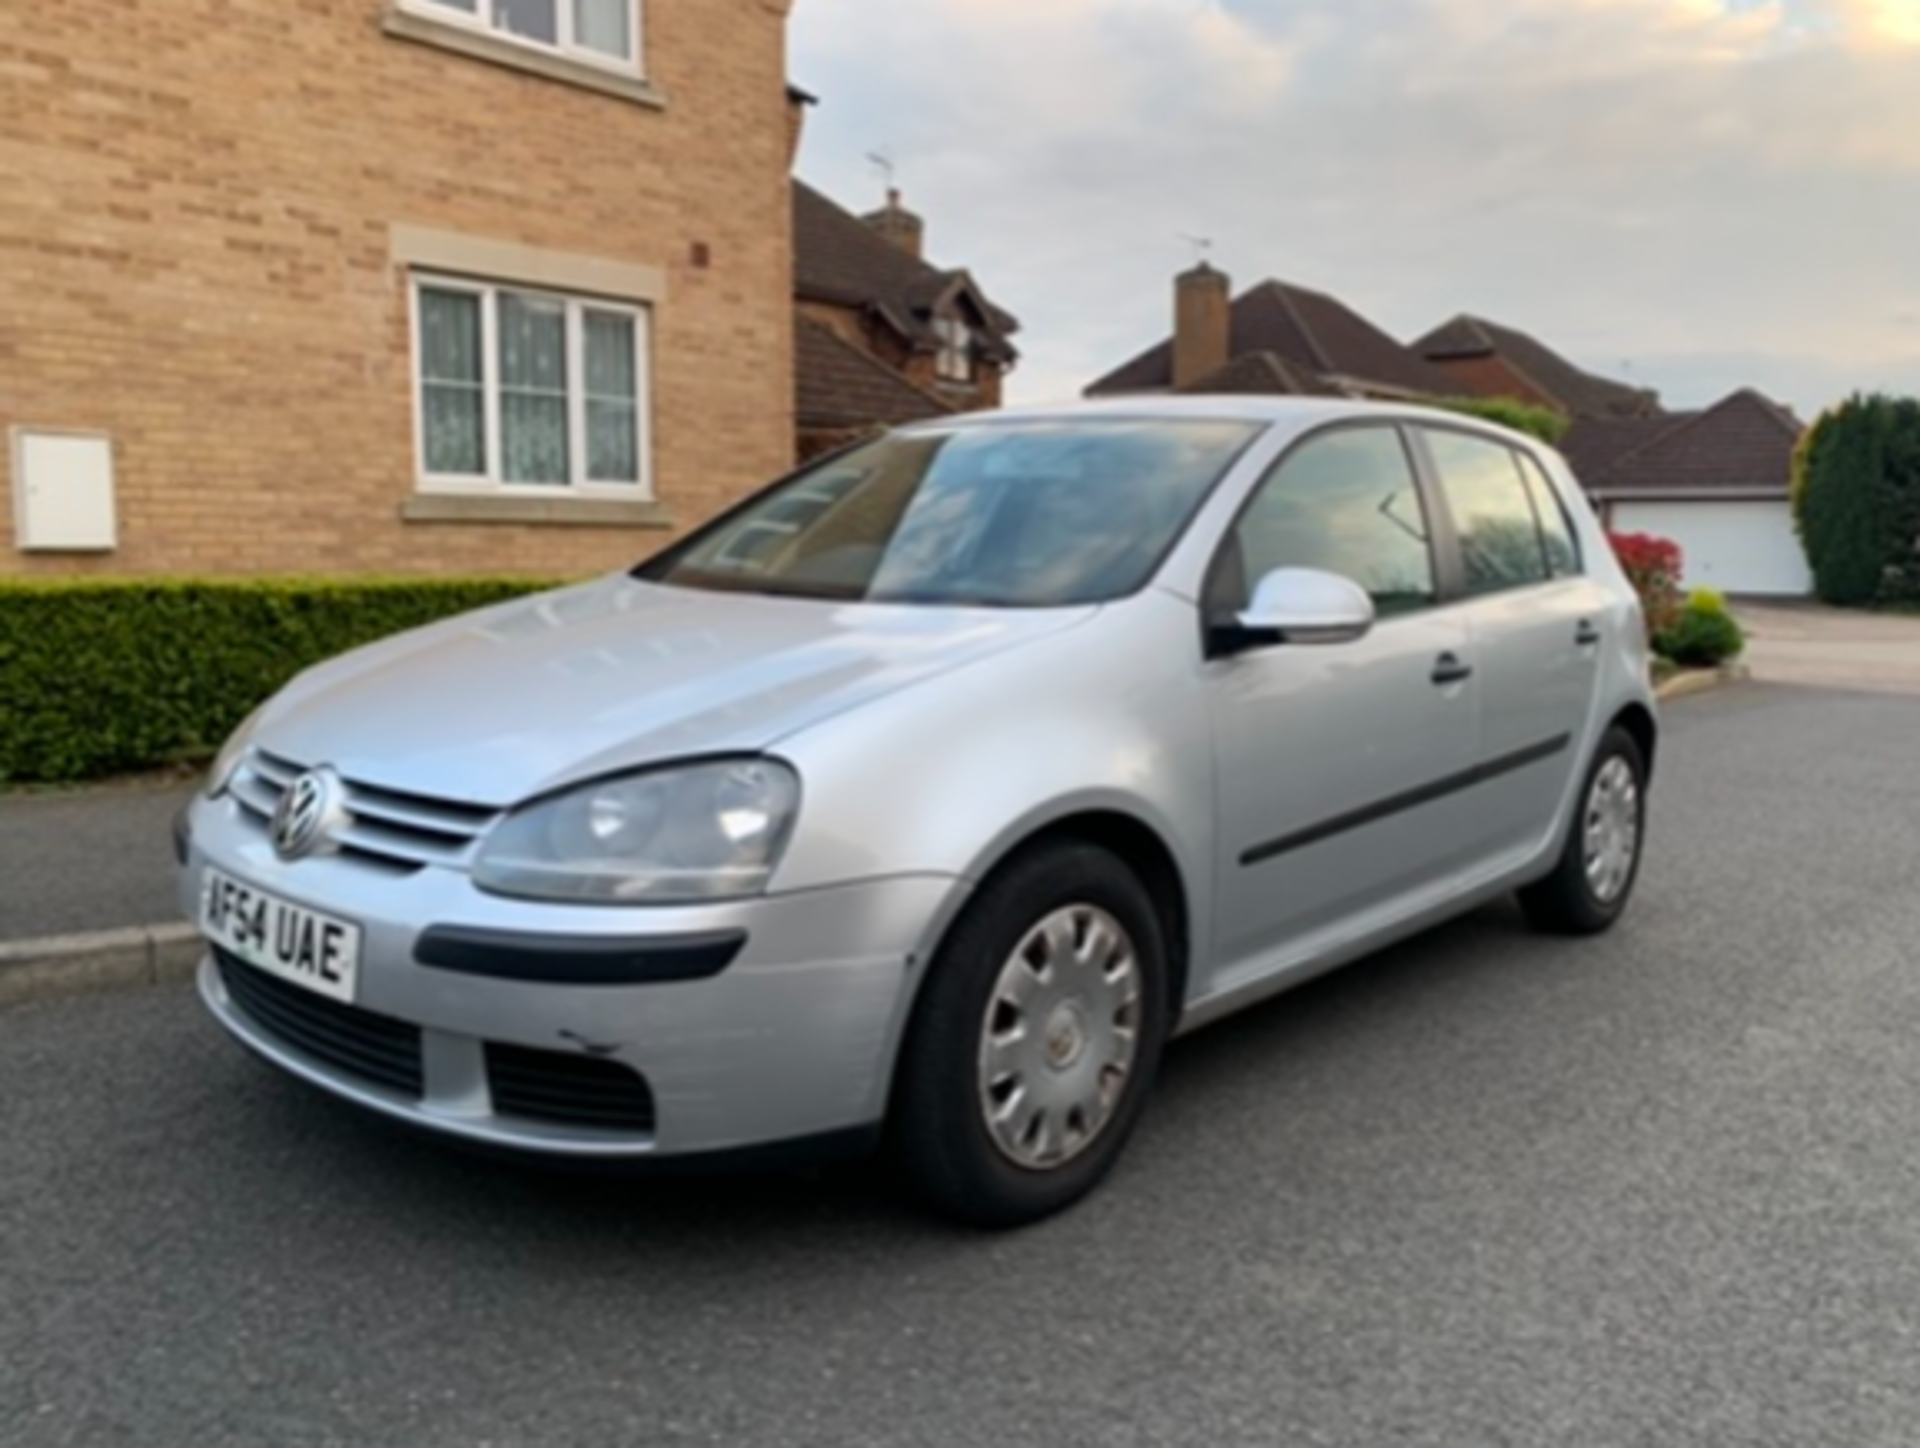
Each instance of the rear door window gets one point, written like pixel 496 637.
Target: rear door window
pixel 1501 545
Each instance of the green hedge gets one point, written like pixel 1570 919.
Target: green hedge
pixel 100 678
pixel 1856 501
pixel 1531 418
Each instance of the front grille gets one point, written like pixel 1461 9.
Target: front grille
pixel 557 1087
pixel 373 1048
pixel 567 1089
pixel 389 828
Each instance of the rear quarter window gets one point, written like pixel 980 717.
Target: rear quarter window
pixel 1556 530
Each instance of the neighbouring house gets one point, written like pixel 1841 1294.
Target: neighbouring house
pixel 389 286
pixel 1273 338
pixel 1715 481
pixel 882 336
pixel 1486 359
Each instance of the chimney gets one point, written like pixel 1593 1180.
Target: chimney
pixel 1202 324
pixel 797 103
pixel 898 225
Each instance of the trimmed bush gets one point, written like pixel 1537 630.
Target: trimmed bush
pixel 1856 501
pixel 100 678
pixel 1536 421
pixel 1704 635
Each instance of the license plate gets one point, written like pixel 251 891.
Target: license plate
pixel 299 945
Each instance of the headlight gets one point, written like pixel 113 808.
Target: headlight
pixel 671 836
pixel 231 754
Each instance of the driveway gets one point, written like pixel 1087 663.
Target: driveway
pixel 1809 644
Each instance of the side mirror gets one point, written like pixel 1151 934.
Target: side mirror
pixel 1299 606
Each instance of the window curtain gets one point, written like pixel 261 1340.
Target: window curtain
pixel 613 385
pixel 604 26
pixel 452 404
pixel 533 390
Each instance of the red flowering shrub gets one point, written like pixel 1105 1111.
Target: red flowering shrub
pixel 1653 566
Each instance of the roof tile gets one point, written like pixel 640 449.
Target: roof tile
pixel 1581 393
pixel 1742 444
pixel 838 258
pixel 1265 373
pixel 838 385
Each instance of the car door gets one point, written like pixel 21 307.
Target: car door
pixel 1536 625
pixel 1338 766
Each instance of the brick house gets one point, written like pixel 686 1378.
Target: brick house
pixel 1487 359
pixel 1274 338
pixel 388 286
pixel 882 336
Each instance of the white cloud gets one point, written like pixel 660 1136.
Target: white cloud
pixel 1893 23
pixel 1678 184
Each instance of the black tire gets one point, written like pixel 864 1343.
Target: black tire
pixel 1567 902
pixel 938 1131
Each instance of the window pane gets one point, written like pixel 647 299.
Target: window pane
pixel 613 444
pixel 533 390
pixel 955 360
pixel 610 355
pixel 535 19
pixel 613 412
pixel 469 6
pixel 1345 503
pixel 1563 552
pixel 449 336
pixel 1499 536
pixel 605 26
pixel 452 409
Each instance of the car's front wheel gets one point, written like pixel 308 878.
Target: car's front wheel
pixel 1594 876
pixel 1035 1039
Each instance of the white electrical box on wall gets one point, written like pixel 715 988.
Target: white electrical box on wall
pixel 62 491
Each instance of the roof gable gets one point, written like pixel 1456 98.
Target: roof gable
pixel 839 259
pixel 1305 328
pixel 1581 393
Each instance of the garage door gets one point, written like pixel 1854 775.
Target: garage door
pixel 1743 547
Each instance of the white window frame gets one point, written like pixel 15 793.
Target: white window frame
pixel 480 20
pixel 490 483
pixel 954 360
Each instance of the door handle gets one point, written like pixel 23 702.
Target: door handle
pixel 1585 633
pixel 1447 669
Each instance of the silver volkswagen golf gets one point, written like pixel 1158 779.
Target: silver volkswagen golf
pixel 920 799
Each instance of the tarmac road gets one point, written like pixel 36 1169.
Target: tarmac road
pixel 1487 1189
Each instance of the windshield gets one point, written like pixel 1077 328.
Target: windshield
pixel 1017 514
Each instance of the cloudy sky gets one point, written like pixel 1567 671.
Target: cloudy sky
pixel 1690 194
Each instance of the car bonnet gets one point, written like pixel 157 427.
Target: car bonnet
pixel 496 706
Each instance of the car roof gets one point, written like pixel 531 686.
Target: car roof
pixel 1296 414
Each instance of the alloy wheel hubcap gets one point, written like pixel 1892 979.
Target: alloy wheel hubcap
pixel 1612 829
pixel 1060 1037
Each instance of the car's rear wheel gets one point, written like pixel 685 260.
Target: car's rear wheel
pixel 1035 1040
pixel 1590 884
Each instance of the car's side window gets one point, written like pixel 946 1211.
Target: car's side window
pixel 1493 517
pixel 1563 549
pixel 1345 502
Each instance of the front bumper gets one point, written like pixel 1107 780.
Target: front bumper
pixel 795 1038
